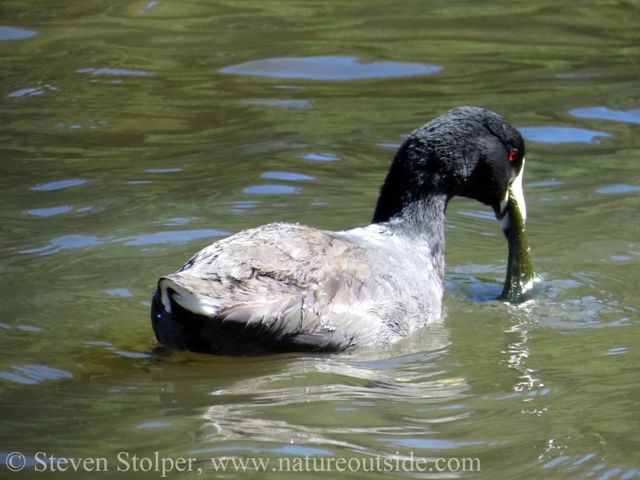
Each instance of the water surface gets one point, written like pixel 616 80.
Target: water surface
pixel 135 133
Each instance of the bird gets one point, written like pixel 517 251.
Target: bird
pixel 292 288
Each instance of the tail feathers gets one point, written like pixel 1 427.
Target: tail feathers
pixel 171 291
pixel 183 321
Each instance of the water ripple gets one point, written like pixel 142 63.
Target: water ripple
pixel 13 33
pixel 119 292
pixel 33 92
pixel 79 241
pixel 34 374
pixel 60 184
pixel 583 466
pixel 155 424
pixel 428 443
pixel 64 242
pixel 271 190
pixel 551 134
pixel 174 236
pixel 249 409
pixel 619 188
pixel 544 183
pixel 287 176
pixel 163 170
pixel 329 68
pixel 604 113
pixel 297 104
pixel 50 211
pixel 115 71
pixel 321 157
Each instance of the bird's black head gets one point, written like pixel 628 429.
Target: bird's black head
pixel 468 151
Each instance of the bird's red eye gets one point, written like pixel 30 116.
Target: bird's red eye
pixel 512 155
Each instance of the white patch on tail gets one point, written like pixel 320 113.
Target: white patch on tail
pixel 185 299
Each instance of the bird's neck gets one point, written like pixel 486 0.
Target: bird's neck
pixel 422 221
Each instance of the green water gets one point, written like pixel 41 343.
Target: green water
pixel 124 150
